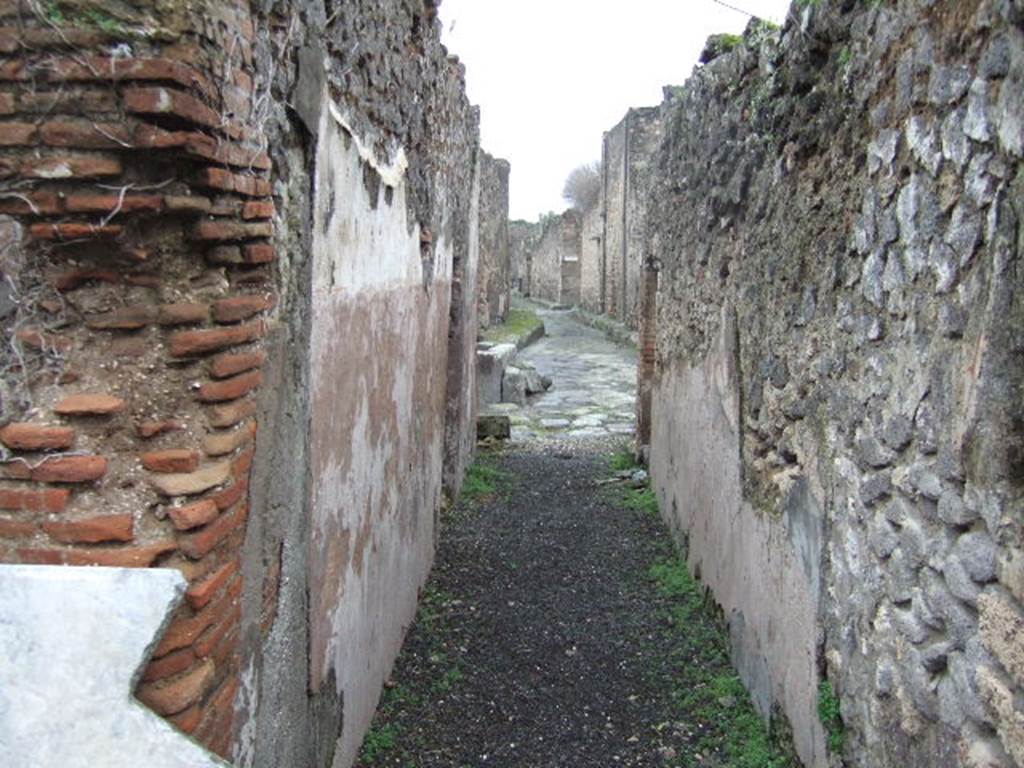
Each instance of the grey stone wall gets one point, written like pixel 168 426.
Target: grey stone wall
pixel 627 152
pixel 613 191
pixel 839 385
pixel 554 261
pixel 494 277
pixel 523 237
pixel 644 136
pixel 592 259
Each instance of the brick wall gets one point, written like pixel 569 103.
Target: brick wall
pixel 138 255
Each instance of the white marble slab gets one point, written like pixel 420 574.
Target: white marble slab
pixel 72 644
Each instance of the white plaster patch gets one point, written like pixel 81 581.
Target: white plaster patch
pixel 72 644
pixel 246 704
pixel 393 171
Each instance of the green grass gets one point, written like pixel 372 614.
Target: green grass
pixel 483 482
pixel 378 740
pixel 705 689
pixel 828 713
pixel 519 322
pixel 729 42
pixel 703 686
pixel 642 500
pixel 623 459
pixel 89 18
pixel 383 743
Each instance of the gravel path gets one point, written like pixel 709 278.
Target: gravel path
pixel 559 627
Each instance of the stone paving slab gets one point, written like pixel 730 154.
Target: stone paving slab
pixel 594 384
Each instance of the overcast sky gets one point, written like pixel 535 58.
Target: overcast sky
pixel 551 76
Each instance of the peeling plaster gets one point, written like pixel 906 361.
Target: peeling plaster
pixel 378 362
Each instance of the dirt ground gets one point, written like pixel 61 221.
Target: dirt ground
pixel 559 628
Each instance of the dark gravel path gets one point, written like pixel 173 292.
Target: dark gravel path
pixel 545 639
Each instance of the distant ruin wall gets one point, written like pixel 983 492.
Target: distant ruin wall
pixel 592 259
pixel 838 394
pixel 554 261
pixel 523 237
pixel 613 190
pixel 626 153
pixel 495 269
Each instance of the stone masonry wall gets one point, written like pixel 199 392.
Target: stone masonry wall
pixel 495 269
pixel 644 136
pixel 523 237
pixel 838 388
pixel 613 190
pixel 559 242
pixel 220 222
pixel 626 153
pixel 592 259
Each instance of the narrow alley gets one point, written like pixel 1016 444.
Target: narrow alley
pixel 559 626
pixel 291 477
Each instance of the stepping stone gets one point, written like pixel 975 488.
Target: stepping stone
pixel 502 408
pixel 495 425
pixel 554 423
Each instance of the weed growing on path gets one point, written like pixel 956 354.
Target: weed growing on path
pixel 443 668
pixel 623 459
pixel 641 499
pixel 484 482
pixel 704 689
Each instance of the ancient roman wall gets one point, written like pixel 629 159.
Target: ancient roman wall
pixel 592 258
pixel 523 237
pixel 644 136
pixel 231 236
pixel 140 272
pixel 626 153
pixel 558 243
pixel 495 267
pixel 613 189
pixel 837 395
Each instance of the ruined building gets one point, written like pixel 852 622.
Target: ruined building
pixel 593 258
pixel 239 257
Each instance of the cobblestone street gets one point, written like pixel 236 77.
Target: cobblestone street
pixel 593 384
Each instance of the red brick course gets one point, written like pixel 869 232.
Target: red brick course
pixel 36 437
pixel 93 530
pixel 48 500
pixel 172 460
pixel 135 174
pixel 89 405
